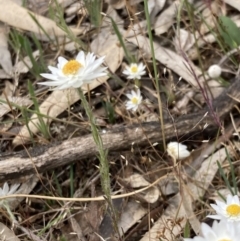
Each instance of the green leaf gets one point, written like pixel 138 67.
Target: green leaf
pixel 229 31
pixel 186 230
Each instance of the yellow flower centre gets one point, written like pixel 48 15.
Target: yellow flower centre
pixel 225 240
pixel 134 100
pixel 233 210
pixel 134 69
pixel 71 67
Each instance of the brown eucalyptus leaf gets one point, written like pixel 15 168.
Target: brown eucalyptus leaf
pixel 165 20
pixel 19 17
pixel 7 234
pixel 5 56
pixel 233 3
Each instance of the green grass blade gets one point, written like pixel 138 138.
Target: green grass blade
pixel 94 8
pixel 42 125
pixel 119 35
pixel 229 31
pixel 232 172
pixel 225 178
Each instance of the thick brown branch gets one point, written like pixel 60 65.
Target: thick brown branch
pixel 49 157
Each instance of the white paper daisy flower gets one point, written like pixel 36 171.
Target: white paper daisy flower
pixel 177 150
pixel 74 73
pixel 134 101
pixel 229 210
pixel 220 231
pixel 135 71
pixel 214 71
pixel 6 190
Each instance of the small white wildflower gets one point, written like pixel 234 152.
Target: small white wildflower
pixel 135 71
pixel 74 73
pixel 214 71
pixel 135 100
pixel 229 210
pixel 177 150
pixel 8 191
pixel 5 191
pixel 220 231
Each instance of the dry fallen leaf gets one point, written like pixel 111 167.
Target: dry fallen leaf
pixel 6 234
pixel 5 56
pixel 132 213
pixel 136 181
pixel 166 19
pixel 189 209
pixel 233 3
pixel 19 17
pixel 8 97
pixel 22 67
pixel 181 105
pixel 183 40
pixel 20 101
pixel 117 4
pixel 209 14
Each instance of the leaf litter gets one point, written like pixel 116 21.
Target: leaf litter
pixel 183 56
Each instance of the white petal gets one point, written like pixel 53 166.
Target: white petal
pixel 81 58
pixel 90 58
pixel 126 72
pixel 51 83
pixel 64 86
pixel 49 76
pixel 229 199
pixel 221 205
pixel 5 188
pixel 77 84
pixel 129 96
pixel 13 188
pixel 183 154
pixel 54 70
pixel 94 76
pixel 236 199
pixel 215 207
pixel 214 217
pixel 61 62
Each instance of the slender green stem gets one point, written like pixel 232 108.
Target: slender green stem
pixel 12 217
pixel 104 167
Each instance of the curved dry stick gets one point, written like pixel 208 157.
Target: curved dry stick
pixel 44 158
